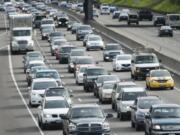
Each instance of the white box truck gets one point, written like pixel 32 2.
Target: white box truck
pixel 21 33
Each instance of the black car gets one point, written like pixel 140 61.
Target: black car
pixel 37 20
pixel 90 75
pixel 165 31
pixel 163 119
pixel 64 52
pixel 86 119
pixel 111 50
pixel 62 20
pixel 145 14
pixel 159 20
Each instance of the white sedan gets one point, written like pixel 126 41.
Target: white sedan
pixel 122 62
pixel 105 91
pixel 50 111
pixel 79 74
pixel 37 89
pixel 94 42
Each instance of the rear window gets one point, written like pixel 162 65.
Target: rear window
pixel 131 96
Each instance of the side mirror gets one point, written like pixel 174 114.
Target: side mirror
pixel 133 107
pixel 109 115
pixel 84 75
pixel 147 115
pixel 40 107
pixel 132 61
pixel 64 116
pixel 118 98
pixel 160 61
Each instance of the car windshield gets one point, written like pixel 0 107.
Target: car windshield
pixel 94 38
pixel 52 104
pixel 147 103
pixel 47 22
pixel 34 65
pixel 160 74
pixel 17 33
pixel 174 17
pixel 57 92
pixel 47 74
pixel 39 17
pixel 96 72
pixel 108 78
pixel 108 86
pixel 34 55
pixel 44 85
pixel 146 59
pixel 66 49
pixel 113 47
pixel 48 30
pixel 84 28
pixel 77 53
pixel 166 112
pixel 82 69
pixel 56 34
pixel 87 112
pixel 131 96
pixel 84 61
pixel 123 57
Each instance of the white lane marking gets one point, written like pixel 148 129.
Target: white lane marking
pixel 79 99
pixel 3 47
pixel 19 92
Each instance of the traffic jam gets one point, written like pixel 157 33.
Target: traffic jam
pixel 93 65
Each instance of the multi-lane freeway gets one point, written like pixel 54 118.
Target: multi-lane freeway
pixel 17 118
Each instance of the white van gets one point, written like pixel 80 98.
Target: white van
pixel 173 20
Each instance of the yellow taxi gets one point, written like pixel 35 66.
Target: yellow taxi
pixel 159 78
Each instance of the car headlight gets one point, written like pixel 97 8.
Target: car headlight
pixel 72 127
pixel 157 127
pixel 47 115
pixel 106 126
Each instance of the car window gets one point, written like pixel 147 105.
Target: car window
pixel 56 92
pixel 146 59
pixel 131 96
pixel 43 85
pixel 56 104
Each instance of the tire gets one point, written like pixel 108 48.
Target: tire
pixel 64 133
pixel 121 116
pixel 87 49
pixel 132 76
pixel 172 88
pixel 137 127
pixel 113 106
pixel 132 124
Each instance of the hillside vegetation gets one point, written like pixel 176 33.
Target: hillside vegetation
pixel 157 5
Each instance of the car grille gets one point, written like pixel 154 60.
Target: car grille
pixel 54 115
pixel 63 20
pixel 162 81
pixel 126 65
pixel 88 128
pixel 170 127
pixel 22 42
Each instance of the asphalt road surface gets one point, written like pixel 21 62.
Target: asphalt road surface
pixel 15 115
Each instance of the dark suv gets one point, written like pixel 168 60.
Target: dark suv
pixel 163 119
pixel 145 14
pixel 86 119
pixel 133 18
pixel 62 20
pixel 90 75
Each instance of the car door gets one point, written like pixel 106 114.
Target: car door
pixel 119 101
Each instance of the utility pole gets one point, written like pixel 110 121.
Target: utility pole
pixel 88 9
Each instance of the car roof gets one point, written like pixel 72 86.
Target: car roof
pixel 36 61
pixel 44 80
pixel 112 44
pixel 101 76
pixel 55 98
pixel 148 97
pixel 156 70
pixel 133 89
pixel 165 105
pixel 95 67
pixel 82 57
pixel 47 70
pixel 126 83
pixel 144 54
pixel 84 105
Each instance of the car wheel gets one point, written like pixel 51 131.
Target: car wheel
pixel 113 106
pixel 64 133
pixel 121 116
pixel 132 124
pixel 172 88
pixel 132 76
pixel 137 127
pixel 87 49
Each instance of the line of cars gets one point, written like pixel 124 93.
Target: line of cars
pixel 126 97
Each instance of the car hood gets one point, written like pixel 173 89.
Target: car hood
pixel 107 91
pixel 123 61
pixel 27 38
pixel 94 42
pixel 166 121
pixel 39 91
pixel 128 103
pixel 147 65
pixel 111 51
pixel 56 111
pixel 88 120
pixel 161 78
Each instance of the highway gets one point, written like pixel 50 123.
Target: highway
pixel 15 115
